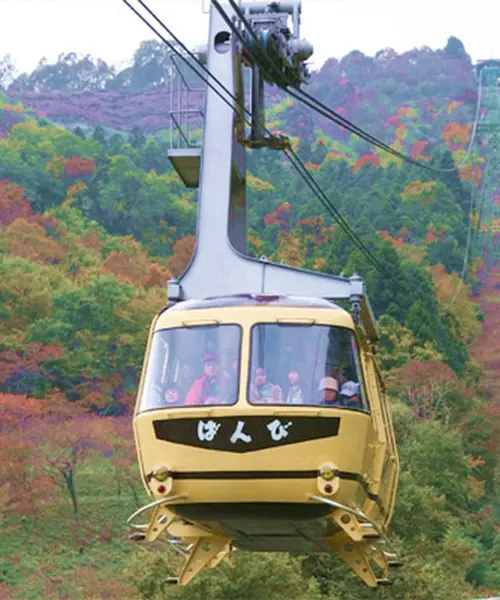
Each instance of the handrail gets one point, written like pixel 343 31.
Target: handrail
pixel 357 513
pixel 153 505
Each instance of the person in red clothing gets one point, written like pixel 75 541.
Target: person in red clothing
pixel 206 389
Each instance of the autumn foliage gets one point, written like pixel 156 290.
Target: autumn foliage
pixel 30 240
pixel 14 205
pixel 28 361
pixel 183 249
pixel 281 216
pixel 426 387
pixel 373 159
pixel 78 167
pixel 417 150
pixel 456 132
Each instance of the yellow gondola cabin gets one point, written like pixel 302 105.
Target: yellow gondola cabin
pixel 238 433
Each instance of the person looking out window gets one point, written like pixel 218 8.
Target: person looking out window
pixel 206 389
pixel 329 392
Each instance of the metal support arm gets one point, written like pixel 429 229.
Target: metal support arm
pixel 220 264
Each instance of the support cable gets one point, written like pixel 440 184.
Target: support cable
pixel 324 110
pixel 312 184
pixel 482 199
pixel 468 244
pixel 309 100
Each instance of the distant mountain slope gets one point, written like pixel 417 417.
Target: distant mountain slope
pixel 367 90
pixel 120 110
pixel 127 187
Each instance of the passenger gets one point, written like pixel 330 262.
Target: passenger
pixel 263 391
pixel 294 395
pixel 205 389
pixel 339 375
pixel 185 379
pixel 231 377
pixel 172 396
pixel 350 393
pixel 329 392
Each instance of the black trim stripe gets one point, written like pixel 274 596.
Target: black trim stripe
pixel 242 475
pixel 245 475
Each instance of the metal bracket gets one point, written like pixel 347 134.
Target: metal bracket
pixel 359 514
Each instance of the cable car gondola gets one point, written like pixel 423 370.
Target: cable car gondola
pixel 261 421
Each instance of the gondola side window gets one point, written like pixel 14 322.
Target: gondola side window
pixel 192 366
pixel 308 365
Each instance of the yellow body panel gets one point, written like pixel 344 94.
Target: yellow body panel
pixel 309 455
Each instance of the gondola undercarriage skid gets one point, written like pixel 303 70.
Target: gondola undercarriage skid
pixel 353 536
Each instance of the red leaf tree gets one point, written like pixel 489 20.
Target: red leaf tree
pixel 79 167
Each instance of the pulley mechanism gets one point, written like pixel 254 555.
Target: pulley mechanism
pixel 271 35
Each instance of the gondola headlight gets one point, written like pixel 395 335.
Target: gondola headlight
pixel 161 474
pixel 160 480
pixel 328 480
pixel 327 473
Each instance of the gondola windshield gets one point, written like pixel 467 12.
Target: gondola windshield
pixel 305 365
pixel 291 364
pixel 192 366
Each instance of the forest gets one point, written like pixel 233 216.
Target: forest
pixel 94 221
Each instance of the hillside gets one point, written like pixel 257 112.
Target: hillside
pixel 368 90
pixel 93 222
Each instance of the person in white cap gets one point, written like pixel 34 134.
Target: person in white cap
pixel 350 393
pixel 329 391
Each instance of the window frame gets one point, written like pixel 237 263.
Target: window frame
pixel 241 332
pixel 366 409
pixel 358 364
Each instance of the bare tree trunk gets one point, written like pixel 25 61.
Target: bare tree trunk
pixel 134 493
pixel 118 478
pixel 70 485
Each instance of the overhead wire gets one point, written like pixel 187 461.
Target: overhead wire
pixel 468 243
pixel 482 198
pixel 324 110
pixel 479 209
pixel 308 100
pixel 313 185
pixel 494 144
pixel 291 92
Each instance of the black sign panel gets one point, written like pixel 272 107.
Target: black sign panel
pixel 245 434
